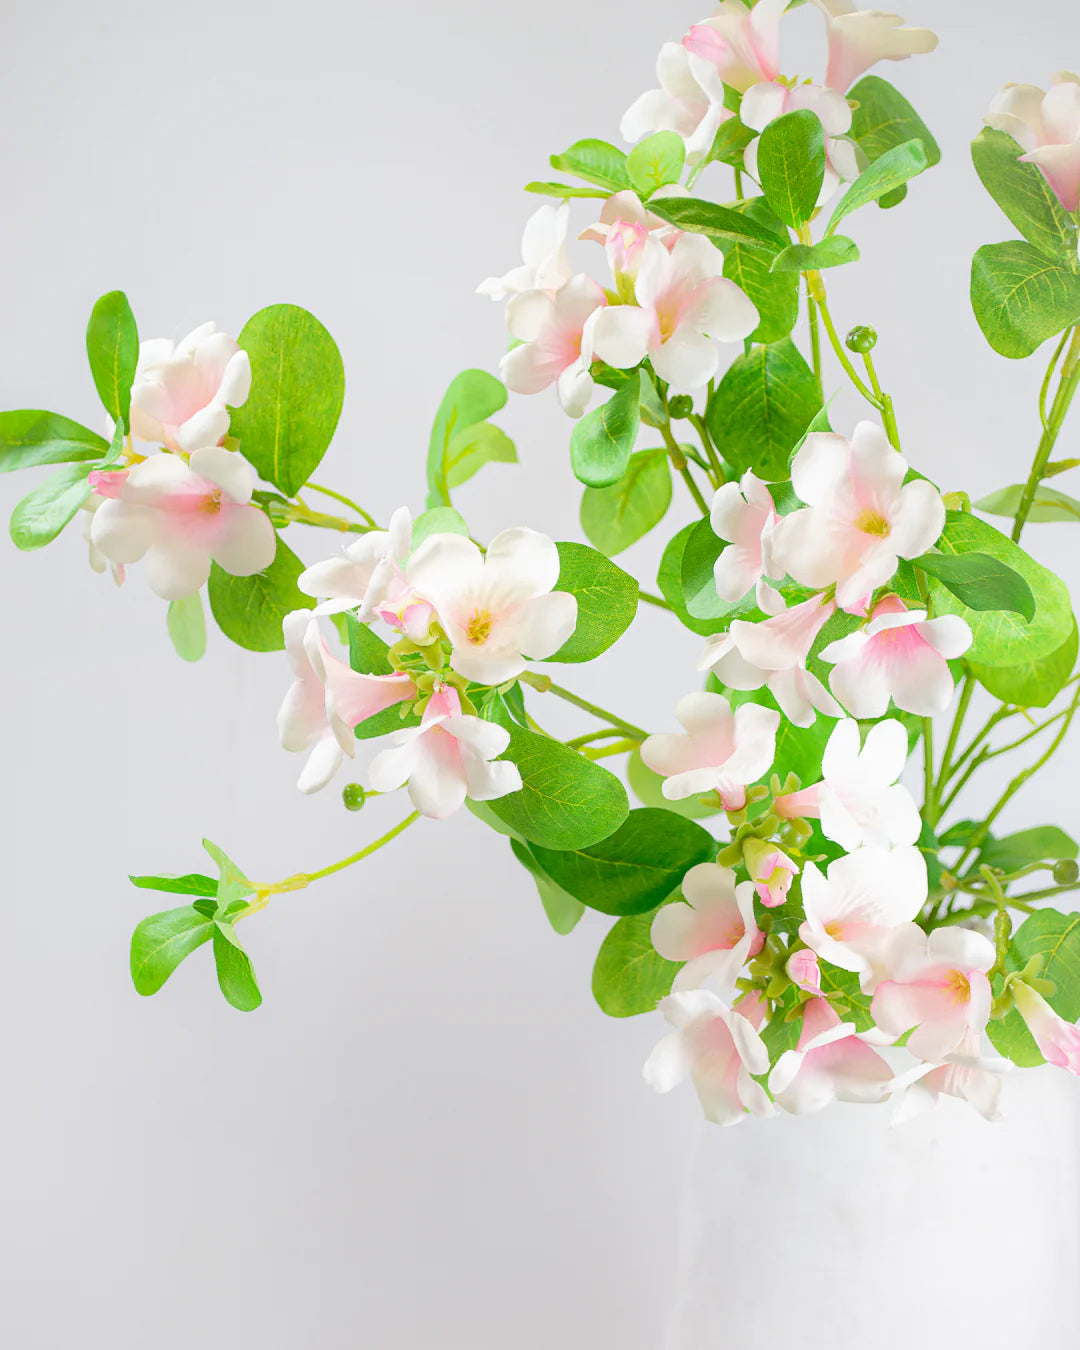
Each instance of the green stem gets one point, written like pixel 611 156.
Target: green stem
pixel 345 501
pixel 838 346
pixel 738 184
pixel 885 403
pixel 815 336
pixel 929 801
pixel 299 513
pixel 543 684
pixel 678 460
pixel 698 423
pixel 966 692
pixel 1070 378
pixel 651 599
pixel 365 852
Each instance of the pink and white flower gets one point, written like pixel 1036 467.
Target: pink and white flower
pixel 690 101
pixel 852 910
pixel 545 266
pixel 684 303
pixel 858 39
pixel 741 43
pixel 555 333
pixel 718 1049
pixel 1046 125
pixel 500 609
pixel 859 800
pixel 743 513
pixel 180 517
pixel 97 560
pixel 803 971
pixel 860 516
pixel 1058 1040
pixel 448 757
pixel 714 932
pixel 721 751
pixel 774 652
pixel 327 700
pixel 966 1074
pixel 770 870
pixel 370 580
pixel 625 222
pixel 938 985
pixel 900 654
pixel 832 1062
pixel 764 103
pixel 183 391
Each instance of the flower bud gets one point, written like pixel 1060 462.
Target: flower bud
pixel 682 405
pixel 354 796
pixel 1066 872
pixel 861 339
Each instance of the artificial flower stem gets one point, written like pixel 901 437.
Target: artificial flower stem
pixel 966 692
pixel 364 852
pixel 885 403
pixel 650 599
pixel 678 460
pixel 543 684
pixel 815 336
pixel 345 501
pixel 1070 379
pixel 836 344
pixel 698 423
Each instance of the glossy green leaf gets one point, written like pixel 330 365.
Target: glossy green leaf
pixel 162 941
pixel 834 251
pixel 562 910
pixel 566 801
pixel 437 520
pixel 606 597
pixel 1021 297
pixel 723 225
pixel 617 516
pixel 1056 938
pixel 1024 195
pixel 637 867
pixel 1047 505
pixel 602 440
pixel 1003 638
pixel 233 886
pixel 1041 844
pixel 473 447
pixel 249 610
pixel 791 165
pixel 596 162
pixel 191 883
pixel 112 344
pixel 762 408
pixel 186 623
pixel 30 437
pixel 656 161
pixel 775 295
pixel 236 974
pixel 471 398
pixel 1034 683
pixel 630 976
pixel 884 175
pixel 882 118
pixel 564 190
pixel 980 581
pixel 669 578
pixel 730 142
pixel 40 516
pixel 297 391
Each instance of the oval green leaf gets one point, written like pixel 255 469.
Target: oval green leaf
pixel 249 610
pixel 607 599
pixel 617 516
pixel 630 976
pixel 112 344
pixel 602 440
pixel 30 437
pixel 791 165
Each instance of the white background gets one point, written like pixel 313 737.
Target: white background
pixel 428 1138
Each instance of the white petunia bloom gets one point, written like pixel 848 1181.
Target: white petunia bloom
pixel 966 1074
pixel 832 1062
pixel 498 609
pixel 545 266
pixel 714 932
pixel 181 517
pixel 741 42
pixel 555 333
pixel 183 391
pixel 1047 126
pixel 744 515
pixel 859 38
pixel 721 751
pixel 690 101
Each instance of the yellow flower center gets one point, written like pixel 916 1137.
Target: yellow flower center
pixel 870 521
pixel 958 987
pixel 478 629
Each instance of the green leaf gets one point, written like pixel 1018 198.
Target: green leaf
pixel 607 600
pixel 885 174
pixel 775 295
pixel 562 910
pixel 297 390
pixel 854 1005
pixel 980 581
pixel 791 165
pixel 43 512
pixel 1048 504
pixel 437 520
pixel 232 885
pixel 670 580
pixel 368 653
pixel 1034 683
pixel 882 118
pixel 762 407
pixel 1021 297
pixel 703 547
pixel 656 161
pixel 187 627
pixel 723 225
pixel 1024 195
pixel 236 974
pixel 630 975
pixel 637 867
pixel 249 610
pixel 112 344
pixel 162 941
pixel 596 162
pixel 647 786
pixel 191 883
pixel 602 440
pixel 1056 938
pixel 730 142
pixel 473 447
pixel 472 397
pixel 563 190
pixel 1041 844
pixel 1002 638
pixel 29 437
pixel 831 252
pixel 566 800
pixel 617 516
